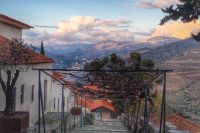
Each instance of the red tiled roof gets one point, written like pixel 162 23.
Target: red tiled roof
pixel 95 89
pixel 95 104
pixel 10 21
pixel 58 76
pixel 102 103
pixel 91 87
pixel 34 58
pixel 2 39
pixel 180 122
pixel 83 102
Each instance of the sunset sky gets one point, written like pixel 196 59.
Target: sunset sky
pixel 91 21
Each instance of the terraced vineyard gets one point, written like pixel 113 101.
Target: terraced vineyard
pixel 186 69
pixel 186 101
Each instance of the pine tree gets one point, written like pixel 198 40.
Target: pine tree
pixel 42 49
pixel 187 11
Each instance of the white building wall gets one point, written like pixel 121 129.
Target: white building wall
pixel 56 99
pixel 10 32
pixel 28 79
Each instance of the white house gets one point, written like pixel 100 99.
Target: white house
pixel 27 83
pixel 57 94
pixel 101 109
pixel 11 28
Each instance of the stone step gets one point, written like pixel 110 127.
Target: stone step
pixel 116 124
pixel 108 126
pixel 100 131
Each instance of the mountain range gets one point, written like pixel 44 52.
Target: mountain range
pixel 67 55
pixel 166 52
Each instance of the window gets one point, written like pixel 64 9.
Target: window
pixel 68 103
pixel 54 103
pixel 32 93
pixel 64 101
pixel 22 95
pixel 58 105
pixel 45 94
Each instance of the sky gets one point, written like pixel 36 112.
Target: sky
pixel 92 21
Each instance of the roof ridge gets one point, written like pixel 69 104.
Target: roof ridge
pixel 14 22
pixel 35 58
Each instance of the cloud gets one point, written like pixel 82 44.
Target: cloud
pixel 85 29
pixel 177 29
pixel 143 33
pixel 35 37
pixel 151 4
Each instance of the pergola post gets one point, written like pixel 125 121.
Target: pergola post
pixel 40 100
pixel 63 124
pixel 81 122
pixel 85 106
pixel 163 108
pixel 145 113
pixel 74 114
pixel 39 74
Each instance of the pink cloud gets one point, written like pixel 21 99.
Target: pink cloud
pixel 156 3
pixel 177 29
pixel 86 29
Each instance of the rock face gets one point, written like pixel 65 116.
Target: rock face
pixel 108 126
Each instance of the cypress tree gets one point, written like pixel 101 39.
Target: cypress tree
pixel 42 49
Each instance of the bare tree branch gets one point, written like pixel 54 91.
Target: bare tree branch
pixel 2 83
pixel 8 78
pixel 14 79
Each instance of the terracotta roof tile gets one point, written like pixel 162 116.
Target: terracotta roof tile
pixel 83 102
pixel 2 39
pixel 58 76
pixel 95 104
pixel 34 58
pixel 91 87
pixel 180 122
pixel 102 103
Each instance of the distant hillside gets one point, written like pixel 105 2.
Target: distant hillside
pixel 162 40
pixel 181 56
pixel 171 50
pixel 186 101
pixel 73 54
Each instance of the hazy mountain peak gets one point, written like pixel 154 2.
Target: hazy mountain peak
pixel 162 39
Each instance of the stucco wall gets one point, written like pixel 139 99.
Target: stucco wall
pixel 28 79
pixel 10 32
pixel 57 98
pixel 102 115
pixel 106 115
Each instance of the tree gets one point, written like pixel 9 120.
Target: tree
pixel 42 49
pixel 187 11
pixel 122 82
pixel 138 87
pixel 12 53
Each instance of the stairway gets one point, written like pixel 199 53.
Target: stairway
pixel 108 126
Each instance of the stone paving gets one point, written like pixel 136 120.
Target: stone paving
pixel 108 126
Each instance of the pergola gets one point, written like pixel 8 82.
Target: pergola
pixel 105 93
